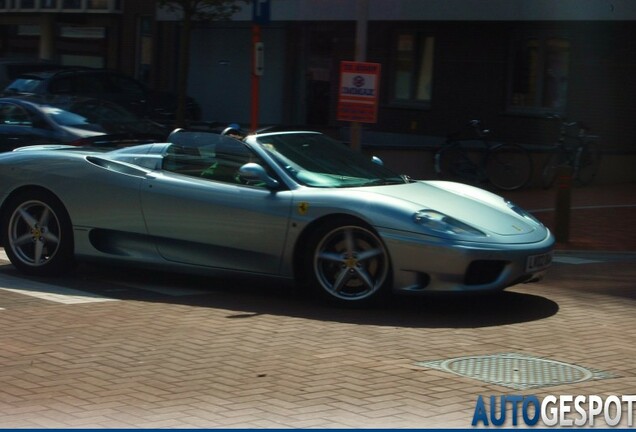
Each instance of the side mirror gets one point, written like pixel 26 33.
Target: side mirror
pixel 376 160
pixel 255 173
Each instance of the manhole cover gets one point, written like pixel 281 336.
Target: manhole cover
pixel 516 371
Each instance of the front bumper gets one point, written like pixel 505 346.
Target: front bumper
pixel 426 264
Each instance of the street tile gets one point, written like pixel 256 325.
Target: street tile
pixel 241 357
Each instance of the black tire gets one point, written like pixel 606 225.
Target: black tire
pixel 509 167
pixel 452 163
pixel 551 168
pixel 347 263
pixel 587 163
pixel 38 235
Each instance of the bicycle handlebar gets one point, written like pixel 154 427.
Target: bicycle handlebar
pixel 475 125
pixel 583 128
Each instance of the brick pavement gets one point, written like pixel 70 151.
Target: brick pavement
pixel 233 354
pixel 602 217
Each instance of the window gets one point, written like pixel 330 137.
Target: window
pixel 216 158
pixel 122 84
pixel 413 69
pixel 13 115
pixel 72 4
pixel 539 75
pixel 62 86
pixel 97 4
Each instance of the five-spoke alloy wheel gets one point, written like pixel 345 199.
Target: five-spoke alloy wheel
pixel 38 234
pixel 347 263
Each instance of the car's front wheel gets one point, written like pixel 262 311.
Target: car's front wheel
pixel 347 263
pixel 38 234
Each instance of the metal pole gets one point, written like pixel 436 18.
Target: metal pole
pixel 563 204
pixel 362 15
pixel 256 38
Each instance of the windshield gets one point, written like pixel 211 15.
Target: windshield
pixel 99 116
pixel 24 85
pixel 318 161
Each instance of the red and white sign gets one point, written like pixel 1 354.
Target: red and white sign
pixel 358 92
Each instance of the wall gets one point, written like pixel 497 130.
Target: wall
pixel 220 73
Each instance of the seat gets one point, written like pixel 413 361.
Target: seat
pixel 231 155
pixel 184 160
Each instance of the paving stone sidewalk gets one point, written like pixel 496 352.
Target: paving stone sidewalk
pixel 172 352
pixel 602 217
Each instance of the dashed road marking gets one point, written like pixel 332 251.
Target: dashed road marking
pixel 48 292
pixel 3 255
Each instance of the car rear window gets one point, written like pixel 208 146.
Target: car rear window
pixel 24 85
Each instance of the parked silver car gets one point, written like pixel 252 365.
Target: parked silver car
pixel 29 120
pixel 291 205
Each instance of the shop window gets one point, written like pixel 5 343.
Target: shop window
pixel 27 4
pixel 72 4
pixel 539 75
pixel 28 30
pixel 144 49
pixel 97 4
pixel 48 4
pixel 412 74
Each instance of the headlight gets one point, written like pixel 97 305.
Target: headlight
pixel 442 223
pixel 521 212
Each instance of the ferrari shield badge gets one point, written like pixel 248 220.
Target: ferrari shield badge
pixel 303 208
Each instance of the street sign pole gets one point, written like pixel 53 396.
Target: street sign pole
pixel 260 16
pixel 360 56
pixel 257 71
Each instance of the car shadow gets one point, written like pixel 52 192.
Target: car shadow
pixel 247 298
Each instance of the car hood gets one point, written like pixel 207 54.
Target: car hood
pixel 79 132
pixel 476 207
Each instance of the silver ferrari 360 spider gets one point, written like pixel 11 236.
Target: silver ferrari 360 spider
pixel 295 205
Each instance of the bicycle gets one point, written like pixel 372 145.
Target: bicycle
pixel 578 151
pixel 505 166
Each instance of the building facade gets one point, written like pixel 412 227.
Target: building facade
pixel 509 63
pixel 114 34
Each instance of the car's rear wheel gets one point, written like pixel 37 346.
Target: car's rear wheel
pixel 347 263
pixel 38 234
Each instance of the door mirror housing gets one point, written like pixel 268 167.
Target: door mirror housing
pixel 256 173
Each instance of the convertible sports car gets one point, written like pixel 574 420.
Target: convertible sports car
pixel 294 205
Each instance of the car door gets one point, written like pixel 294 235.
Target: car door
pixel 19 127
pixel 205 217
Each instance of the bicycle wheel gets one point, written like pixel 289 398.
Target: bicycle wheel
pixel 452 163
pixel 551 167
pixel 509 167
pixel 586 163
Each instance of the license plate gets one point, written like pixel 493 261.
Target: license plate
pixel 538 262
